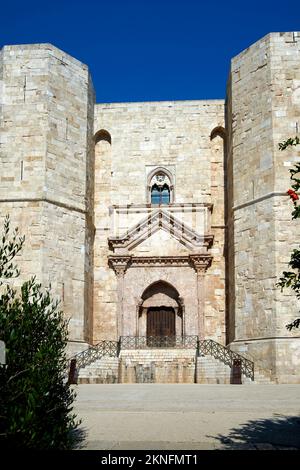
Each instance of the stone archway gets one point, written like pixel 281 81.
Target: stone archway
pixel 161 311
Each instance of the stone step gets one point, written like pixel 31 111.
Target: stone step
pixel 166 365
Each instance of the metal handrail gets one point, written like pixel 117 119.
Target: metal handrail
pixel 203 348
pixel 144 342
pixel 103 348
pixel 225 355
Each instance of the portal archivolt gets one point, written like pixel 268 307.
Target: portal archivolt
pixel 161 311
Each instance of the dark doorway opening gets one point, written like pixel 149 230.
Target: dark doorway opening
pixel 161 321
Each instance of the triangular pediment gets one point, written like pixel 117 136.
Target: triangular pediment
pixel 160 220
pixel 160 243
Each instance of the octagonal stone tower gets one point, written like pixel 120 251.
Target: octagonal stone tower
pixel 46 132
pixel 263 109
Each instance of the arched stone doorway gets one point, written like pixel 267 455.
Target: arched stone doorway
pixel 161 311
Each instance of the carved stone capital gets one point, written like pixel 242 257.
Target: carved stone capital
pixel 119 264
pixel 200 262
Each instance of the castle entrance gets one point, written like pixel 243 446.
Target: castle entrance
pixel 160 314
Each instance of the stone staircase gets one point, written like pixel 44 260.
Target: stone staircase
pixel 202 362
pixel 97 364
pixel 101 371
pixel 161 365
pixel 162 369
pixel 210 370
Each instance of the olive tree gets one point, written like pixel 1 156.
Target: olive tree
pixel 35 398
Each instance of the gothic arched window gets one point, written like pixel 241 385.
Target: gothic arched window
pixel 160 194
pixel 160 188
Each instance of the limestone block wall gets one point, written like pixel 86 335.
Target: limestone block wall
pixel 143 136
pixel 263 110
pixel 156 133
pixel 46 144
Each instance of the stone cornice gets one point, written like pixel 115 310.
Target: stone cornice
pixel 48 201
pixel 208 205
pixel 259 199
pixel 200 262
pixel 168 261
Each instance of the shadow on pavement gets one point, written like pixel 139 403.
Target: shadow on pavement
pixel 280 432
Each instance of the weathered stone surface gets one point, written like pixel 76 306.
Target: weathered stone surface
pixel 157 366
pixel 76 178
pixel 46 115
pixel 264 102
pixel 176 137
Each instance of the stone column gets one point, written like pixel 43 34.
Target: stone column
pixel 181 303
pixel 119 265
pixel 120 271
pixel 201 263
pixel 137 320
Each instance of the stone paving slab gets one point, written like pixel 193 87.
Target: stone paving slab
pixel 184 416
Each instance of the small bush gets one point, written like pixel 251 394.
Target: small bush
pixel 35 399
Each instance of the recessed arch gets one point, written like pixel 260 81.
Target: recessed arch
pixel 158 287
pixel 218 131
pixel 102 135
pixel 157 303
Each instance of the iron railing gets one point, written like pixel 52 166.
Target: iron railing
pixel 144 342
pixel 225 355
pixel 104 348
pixel 202 348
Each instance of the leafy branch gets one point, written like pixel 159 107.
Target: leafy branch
pixel 289 142
pixel 9 248
pixel 292 278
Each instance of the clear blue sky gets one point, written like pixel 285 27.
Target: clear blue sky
pixel 149 49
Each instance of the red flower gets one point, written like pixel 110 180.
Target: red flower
pixel 293 195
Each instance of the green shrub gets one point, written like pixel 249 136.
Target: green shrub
pixel 35 398
pixel 291 279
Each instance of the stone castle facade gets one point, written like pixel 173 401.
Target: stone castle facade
pixel 158 218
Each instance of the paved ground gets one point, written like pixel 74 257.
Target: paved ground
pixel 165 416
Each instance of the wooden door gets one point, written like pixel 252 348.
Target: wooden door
pixel 161 321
